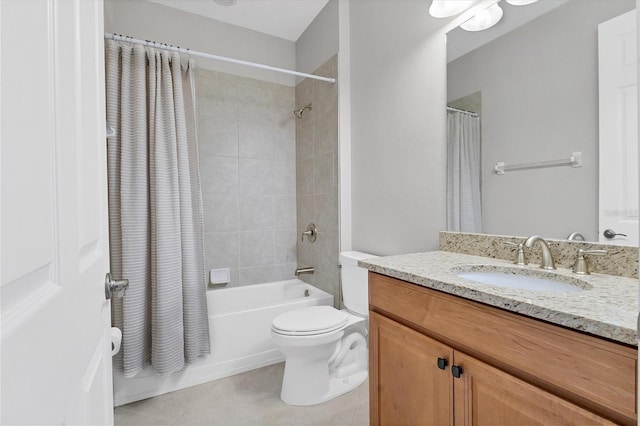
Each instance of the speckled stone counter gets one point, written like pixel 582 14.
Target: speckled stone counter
pixel 608 309
pixel 619 260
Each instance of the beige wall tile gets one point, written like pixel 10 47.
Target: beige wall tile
pixel 325 207
pixel 255 176
pixel 285 271
pixel 219 175
pixel 247 156
pixel 325 132
pixel 256 248
pixel 217 136
pixel 304 140
pixel 284 212
pixel 222 251
pixel 316 178
pixel 256 212
pixel 216 99
pixel 221 213
pixel 284 243
pixel 324 173
pixel 304 177
pixel 257 140
pixel 256 274
pixel 284 178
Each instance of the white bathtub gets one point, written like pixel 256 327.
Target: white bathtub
pixel 240 329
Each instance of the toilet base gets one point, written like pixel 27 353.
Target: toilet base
pixel 316 374
pixel 337 387
pixel 320 367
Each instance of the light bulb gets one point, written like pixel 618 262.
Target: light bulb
pixel 446 8
pixel 521 2
pixel 484 19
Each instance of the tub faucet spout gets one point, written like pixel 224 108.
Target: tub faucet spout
pixel 547 257
pixel 308 270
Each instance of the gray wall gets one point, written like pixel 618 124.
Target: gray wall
pixel 539 89
pixel 319 42
pixel 398 101
pixel 151 21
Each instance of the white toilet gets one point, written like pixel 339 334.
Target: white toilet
pixel 325 349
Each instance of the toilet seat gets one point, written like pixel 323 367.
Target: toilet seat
pixel 313 320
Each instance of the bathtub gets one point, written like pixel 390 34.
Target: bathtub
pixel 240 329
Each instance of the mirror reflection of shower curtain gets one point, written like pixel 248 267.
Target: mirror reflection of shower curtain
pixel 464 210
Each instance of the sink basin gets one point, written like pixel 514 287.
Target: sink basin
pixel 525 279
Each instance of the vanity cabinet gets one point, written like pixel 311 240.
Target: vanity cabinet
pixel 438 359
pixel 410 388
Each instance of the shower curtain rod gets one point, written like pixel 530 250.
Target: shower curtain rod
pixel 473 114
pixel 119 37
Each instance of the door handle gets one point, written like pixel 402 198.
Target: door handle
pixel 610 233
pixel 114 288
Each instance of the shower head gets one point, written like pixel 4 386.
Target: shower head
pixel 298 112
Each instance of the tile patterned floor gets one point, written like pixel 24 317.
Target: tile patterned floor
pixel 251 398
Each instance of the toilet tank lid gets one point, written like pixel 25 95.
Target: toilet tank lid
pixel 352 257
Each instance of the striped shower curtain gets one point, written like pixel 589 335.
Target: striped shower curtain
pixel 155 209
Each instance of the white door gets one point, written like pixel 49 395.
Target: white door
pixel 618 62
pixel 55 345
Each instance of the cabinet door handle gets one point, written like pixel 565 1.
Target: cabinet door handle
pixel 442 363
pixel 456 370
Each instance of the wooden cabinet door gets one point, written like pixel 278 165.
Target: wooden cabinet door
pixel 487 396
pixel 407 387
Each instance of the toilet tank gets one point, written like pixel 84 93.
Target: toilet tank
pixel 355 287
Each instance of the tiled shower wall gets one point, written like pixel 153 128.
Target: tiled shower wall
pixel 317 178
pixel 246 134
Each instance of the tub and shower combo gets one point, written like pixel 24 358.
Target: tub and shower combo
pixel 240 321
pixel 240 318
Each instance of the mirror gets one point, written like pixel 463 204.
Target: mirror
pixel 535 90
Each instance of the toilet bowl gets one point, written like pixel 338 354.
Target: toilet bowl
pixel 325 348
pixel 325 351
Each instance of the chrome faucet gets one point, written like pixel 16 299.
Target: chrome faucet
pixel 575 236
pixel 547 258
pixel 308 270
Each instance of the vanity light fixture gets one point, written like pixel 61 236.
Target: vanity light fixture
pixel 484 19
pixel 520 2
pixel 225 2
pixel 446 8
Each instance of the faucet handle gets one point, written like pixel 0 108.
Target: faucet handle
pixel 520 257
pixel 311 233
pixel 581 266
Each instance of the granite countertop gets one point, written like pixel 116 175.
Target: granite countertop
pixel 608 309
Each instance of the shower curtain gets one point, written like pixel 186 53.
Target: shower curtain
pixel 464 212
pixel 155 209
